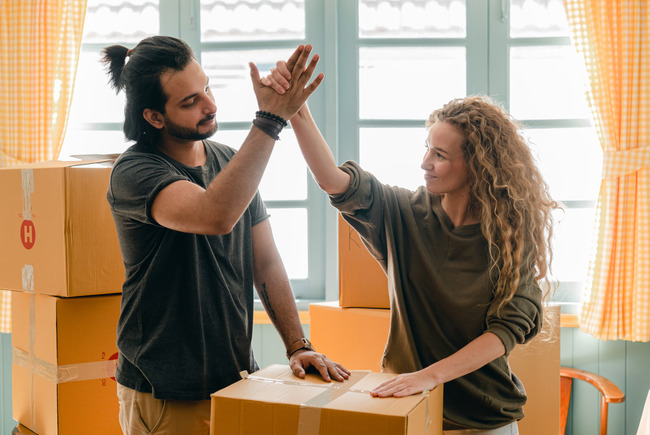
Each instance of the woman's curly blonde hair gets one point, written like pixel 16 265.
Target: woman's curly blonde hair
pixel 508 193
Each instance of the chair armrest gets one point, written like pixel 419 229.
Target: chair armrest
pixel 608 389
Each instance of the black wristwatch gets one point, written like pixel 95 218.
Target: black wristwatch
pixel 303 343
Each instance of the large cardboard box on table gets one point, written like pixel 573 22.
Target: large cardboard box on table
pixel 356 337
pixel 362 282
pixel 64 358
pixel 56 230
pixel 272 401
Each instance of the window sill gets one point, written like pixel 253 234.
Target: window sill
pixel 567 320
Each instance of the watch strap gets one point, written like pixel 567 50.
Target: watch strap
pixel 303 343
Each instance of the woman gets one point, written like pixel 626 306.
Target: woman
pixel 464 254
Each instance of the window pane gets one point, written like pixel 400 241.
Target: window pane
pixel 570 160
pixel 572 243
pixel 537 18
pixel 290 233
pixel 93 142
pixel 285 177
pixel 547 82
pixel 233 20
pixel 94 100
pixel 230 79
pixel 412 19
pixel 435 76
pixel 393 155
pixel 113 21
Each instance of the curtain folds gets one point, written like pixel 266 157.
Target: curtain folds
pixel 613 38
pixel 39 51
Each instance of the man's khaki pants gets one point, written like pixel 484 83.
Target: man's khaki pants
pixel 141 414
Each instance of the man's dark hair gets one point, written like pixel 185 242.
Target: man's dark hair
pixel 140 80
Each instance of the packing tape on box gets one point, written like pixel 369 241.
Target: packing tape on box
pixel 310 411
pixel 28 189
pixel 52 372
pixel 65 373
pixel 62 373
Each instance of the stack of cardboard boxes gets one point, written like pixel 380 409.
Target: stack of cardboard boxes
pixel 60 258
pixel 283 404
pixel 353 331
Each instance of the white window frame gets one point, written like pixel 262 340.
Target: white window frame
pixel 331 26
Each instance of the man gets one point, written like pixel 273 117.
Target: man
pixel 195 238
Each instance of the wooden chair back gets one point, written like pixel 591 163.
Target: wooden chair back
pixel 609 393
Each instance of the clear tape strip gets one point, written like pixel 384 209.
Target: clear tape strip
pixel 310 411
pixel 52 372
pixel 65 373
pixel 28 189
pixel 32 340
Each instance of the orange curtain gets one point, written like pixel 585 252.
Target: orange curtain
pixel 613 38
pixel 39 50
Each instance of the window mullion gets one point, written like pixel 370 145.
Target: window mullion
pixel 189 18
pixel 348 53
pixel 499 52
pixel 169 17
pixel 477 47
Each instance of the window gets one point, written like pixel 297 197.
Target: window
pixel 387 65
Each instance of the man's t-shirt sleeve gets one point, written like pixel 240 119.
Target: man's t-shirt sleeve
pixel 134 184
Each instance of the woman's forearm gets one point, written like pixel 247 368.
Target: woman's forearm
pixel 317 154
pixel 473 356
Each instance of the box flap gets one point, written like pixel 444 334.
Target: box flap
pixel 96 156
pixel 57 164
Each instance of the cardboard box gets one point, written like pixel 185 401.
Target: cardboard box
pixel 272 401
pixel 64 358
pixel 537 363
pixel 56 230
pixel 362 352
pixel 22 430
pixel 362 281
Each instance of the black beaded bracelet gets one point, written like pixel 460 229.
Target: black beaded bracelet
pixel 270 127
pixel 271 116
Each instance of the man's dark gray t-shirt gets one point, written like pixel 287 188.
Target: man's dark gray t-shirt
pixel 186 320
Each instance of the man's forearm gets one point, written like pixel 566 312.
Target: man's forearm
pixel 280 306
pixel 230 193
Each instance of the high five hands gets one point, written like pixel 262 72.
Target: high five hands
pixel 284 95
pixel 280 77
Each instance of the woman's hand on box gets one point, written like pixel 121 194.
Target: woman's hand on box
pixel 406 384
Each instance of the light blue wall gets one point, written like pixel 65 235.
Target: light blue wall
pixel 6 421
pixel 627 364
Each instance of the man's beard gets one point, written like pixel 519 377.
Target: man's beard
pixel 185 133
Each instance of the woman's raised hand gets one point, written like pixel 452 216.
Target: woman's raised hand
pixel 285 91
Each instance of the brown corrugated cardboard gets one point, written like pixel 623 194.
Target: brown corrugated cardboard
pixel 57 232
pixel 64 356
pixel 362 352
pixel 537 363
pixel 272 401
pixel 362 282
pixel 22 430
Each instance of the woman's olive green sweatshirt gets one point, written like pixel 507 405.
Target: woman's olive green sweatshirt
pixel 441 292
